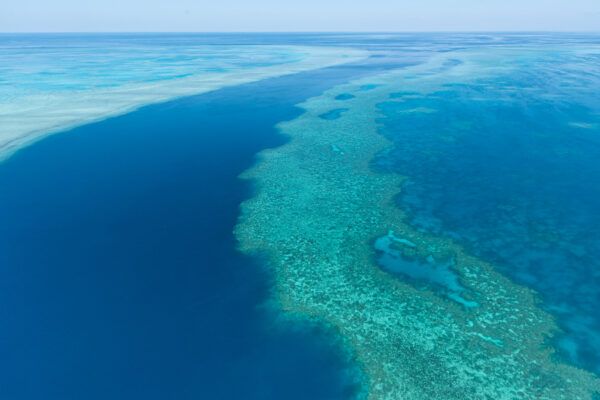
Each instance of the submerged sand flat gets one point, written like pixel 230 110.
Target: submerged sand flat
pixel 320 208
pixel 30 111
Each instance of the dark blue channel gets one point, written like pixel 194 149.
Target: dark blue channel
pixel 119 276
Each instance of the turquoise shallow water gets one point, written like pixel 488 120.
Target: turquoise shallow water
pixel 54 62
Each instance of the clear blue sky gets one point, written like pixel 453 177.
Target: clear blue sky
pixel 298 15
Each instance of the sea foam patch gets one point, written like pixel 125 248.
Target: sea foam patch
pixel 47 90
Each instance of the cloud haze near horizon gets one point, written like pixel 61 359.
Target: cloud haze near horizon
pixel 289 16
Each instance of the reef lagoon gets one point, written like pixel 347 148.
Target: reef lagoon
pixel 415 216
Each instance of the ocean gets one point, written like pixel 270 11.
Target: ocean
pixel 123 274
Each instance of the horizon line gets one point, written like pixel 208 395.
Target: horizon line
pixel 301 32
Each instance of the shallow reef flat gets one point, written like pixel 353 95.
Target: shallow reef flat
pixel 66 86
pixel 318 213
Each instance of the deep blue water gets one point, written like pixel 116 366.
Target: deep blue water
pixel 120 277
pixel 508 165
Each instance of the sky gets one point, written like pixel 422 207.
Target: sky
pixel 297 15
